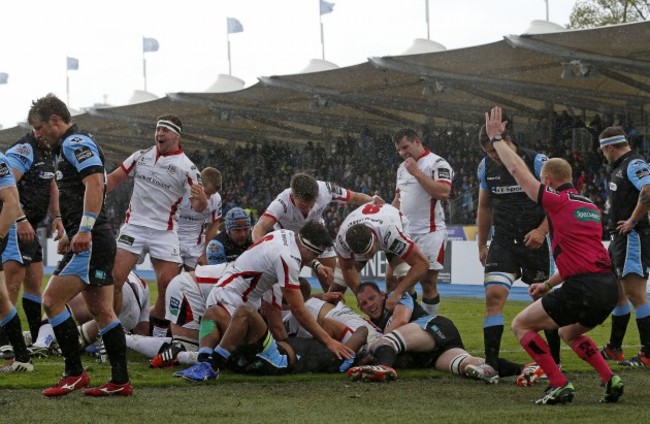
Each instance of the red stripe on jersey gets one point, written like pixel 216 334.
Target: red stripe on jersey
pixel 288 283
pixel 127 170
pixel 441 254
pixel 432 215
pixel 270 216
pixel 128 213
pixel 345 332
pixel 172 212
pixel 206 280
pixel 252 277
pixel 410 242
pixel 189 316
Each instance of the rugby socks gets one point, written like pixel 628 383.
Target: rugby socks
pixel 554 344
pixel 385 355
pixel 492 333
pixel 537 348
pixel 643 323
pixel 587 350
pixel 159 327
pixel 620 318
pixel 205 354
pixel 32 308
pixel 146 345
pixel 431 306
pixel 45 335
pixel 14 333
pixel 115 344
pixel 220 357
pixel 67 335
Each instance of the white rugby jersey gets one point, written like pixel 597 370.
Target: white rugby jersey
pixel 273 259
pixel 287 214
pixel 206 276
pixel 191 224
pixel 341 313
pixel 425 214
pixel 386 223
pixel 160 182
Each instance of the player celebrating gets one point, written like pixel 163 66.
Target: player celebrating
pixel 306 200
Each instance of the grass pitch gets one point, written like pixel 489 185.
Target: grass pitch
pixel 417 395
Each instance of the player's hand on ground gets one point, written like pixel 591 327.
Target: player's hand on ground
pixel 534 239
pixel 340 350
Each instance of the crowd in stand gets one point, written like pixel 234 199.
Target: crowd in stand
pixel 367 162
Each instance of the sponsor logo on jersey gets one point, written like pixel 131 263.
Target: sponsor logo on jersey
pixel 24 149
pixel 4 169
pixel 334 189
pixel 284 205
pixel 126 239
pixel 75 139
pixel 171 169
pixel 100 275
pixel 507 189
pixel 551 190
pixel 444 174
pixel 174 306
pixel 387 237
pixel 397 247
pixel 59 175
pixel 586 215
pixel 612 186
pixel 641 173
pixel 82 154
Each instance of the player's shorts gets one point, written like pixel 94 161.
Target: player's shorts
pixel 22 252
pixel 630 253
pixel 185 301
pixel 444 333
pixel 314 357
pixel 159 244
pixel 190 253
pixel 433 245
pixel 587 299
pixel 514 257
pixel 95 269
pixel 135 302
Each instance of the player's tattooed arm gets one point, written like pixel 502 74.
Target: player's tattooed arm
pixel 644 196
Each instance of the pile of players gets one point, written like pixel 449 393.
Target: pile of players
pixel 247 310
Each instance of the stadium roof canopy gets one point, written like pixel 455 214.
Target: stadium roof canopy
pixel 602 70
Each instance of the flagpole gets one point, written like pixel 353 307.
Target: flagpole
pixel 428 23
pixel 229 63
pixel 322 38
pixel 67 86
pixel 144 67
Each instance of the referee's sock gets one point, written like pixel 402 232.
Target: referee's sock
pixel 588 352
pixel 537 348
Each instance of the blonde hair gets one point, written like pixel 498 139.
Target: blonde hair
pixel 211 176
pixel 559 169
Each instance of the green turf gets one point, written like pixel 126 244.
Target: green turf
pixel 418 395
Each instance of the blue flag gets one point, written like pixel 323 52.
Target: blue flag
pixel 149 44
pixel 326 7
pixel 4 78
pixel 234 26
pixel 72 64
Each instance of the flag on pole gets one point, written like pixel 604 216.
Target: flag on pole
pixel 234 26
pixel 326 7
pixel 149 44
pixel 4 78
pixel 72 64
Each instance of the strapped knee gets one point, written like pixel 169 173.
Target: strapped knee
pixel 454 364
